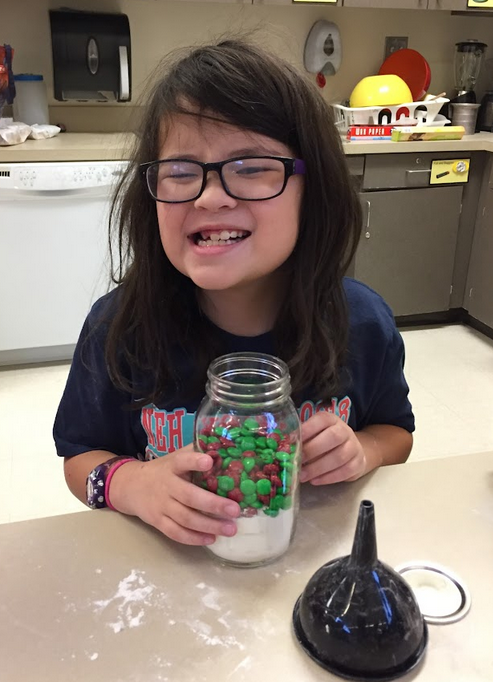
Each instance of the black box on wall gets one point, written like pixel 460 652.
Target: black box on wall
pixel 91 56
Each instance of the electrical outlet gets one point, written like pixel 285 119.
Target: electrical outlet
pixel 394 43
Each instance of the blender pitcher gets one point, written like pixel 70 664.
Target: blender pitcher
pixel 469 58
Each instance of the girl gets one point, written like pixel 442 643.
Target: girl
pixel 236 223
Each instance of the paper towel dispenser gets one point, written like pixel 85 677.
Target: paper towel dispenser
pixel 91 56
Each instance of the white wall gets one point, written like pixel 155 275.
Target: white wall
pixel 158 26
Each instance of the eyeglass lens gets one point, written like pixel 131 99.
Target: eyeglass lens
pixel 243 178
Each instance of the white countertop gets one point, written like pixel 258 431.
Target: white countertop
pixel 115 146
pixel 101 596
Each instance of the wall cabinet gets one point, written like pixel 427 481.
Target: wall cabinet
pixel 448 5
pixel 237 2
pixel 291 2
pixel 479 291
pixel 387 4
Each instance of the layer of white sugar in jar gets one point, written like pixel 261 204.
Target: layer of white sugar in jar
pixel 258 538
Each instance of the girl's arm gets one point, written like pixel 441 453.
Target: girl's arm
pixel 333 452
pixel 78 468
pixel 384 444
pixel 161 494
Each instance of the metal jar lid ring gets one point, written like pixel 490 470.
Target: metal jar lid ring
pixel 442 596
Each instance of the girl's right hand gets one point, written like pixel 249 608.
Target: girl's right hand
pixel 161 493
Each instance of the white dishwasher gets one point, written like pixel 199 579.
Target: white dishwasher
pixel 54 256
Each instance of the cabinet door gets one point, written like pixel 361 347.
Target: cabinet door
pixel 388 4
pixel 479 292
pixel 407 248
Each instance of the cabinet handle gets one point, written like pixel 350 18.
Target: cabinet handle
pixel 421 170
pixel 368 218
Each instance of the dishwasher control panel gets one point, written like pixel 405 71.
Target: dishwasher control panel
pixel 60 176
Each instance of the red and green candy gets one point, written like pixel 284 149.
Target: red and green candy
pixel 253 462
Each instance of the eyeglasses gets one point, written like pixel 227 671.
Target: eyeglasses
pixel 249 178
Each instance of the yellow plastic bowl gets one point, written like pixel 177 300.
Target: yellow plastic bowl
pixel 386 90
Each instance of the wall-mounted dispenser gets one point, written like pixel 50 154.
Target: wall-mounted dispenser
pixel 323 48
pixel 91 56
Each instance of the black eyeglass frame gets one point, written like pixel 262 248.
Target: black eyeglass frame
pixel 291 167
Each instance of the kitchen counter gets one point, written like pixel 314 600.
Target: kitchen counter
pixel 71 147
pixel 114 146
pixel 97 595
pixel 482 142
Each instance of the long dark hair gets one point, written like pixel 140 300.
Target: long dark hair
pixel 157 311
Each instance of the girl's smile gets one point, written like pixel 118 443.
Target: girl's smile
pixel 220 242
pixel 215 238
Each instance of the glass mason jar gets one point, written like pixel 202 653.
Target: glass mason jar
pixel 249 425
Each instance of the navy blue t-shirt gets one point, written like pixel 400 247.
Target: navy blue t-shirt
pixel 91 415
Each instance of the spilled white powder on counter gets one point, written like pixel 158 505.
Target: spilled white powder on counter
pixel 210 597
pixel 116 627
pixel 225 641
pixel 94 656
pixel 135 621
pixel 245 663
pixel 132 593
pixel 203 631
pixel 224 622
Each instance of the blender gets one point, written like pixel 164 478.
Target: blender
pixel 469 58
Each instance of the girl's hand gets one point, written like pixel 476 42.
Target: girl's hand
pixel 160 492
pixel 331 451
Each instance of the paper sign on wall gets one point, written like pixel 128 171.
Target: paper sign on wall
pixel 449 171
pixel 479 4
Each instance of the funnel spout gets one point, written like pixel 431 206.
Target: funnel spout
pixel 364 551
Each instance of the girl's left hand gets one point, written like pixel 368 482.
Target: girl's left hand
pixel 331 451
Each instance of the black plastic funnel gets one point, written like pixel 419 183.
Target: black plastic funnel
pixel 357 617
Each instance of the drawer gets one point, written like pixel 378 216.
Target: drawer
pixel 398 171
pixel 356 164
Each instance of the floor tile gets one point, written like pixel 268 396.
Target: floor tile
pixel 44 491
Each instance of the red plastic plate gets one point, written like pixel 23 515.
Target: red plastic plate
pixel 412 67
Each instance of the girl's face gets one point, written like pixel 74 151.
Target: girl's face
pixel 266 231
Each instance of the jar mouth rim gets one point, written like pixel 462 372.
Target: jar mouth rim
pixel 248 379
pixel 270 365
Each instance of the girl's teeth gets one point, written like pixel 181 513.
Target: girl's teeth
pixel 220 238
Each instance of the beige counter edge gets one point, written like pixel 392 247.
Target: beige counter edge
pixel 115 146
